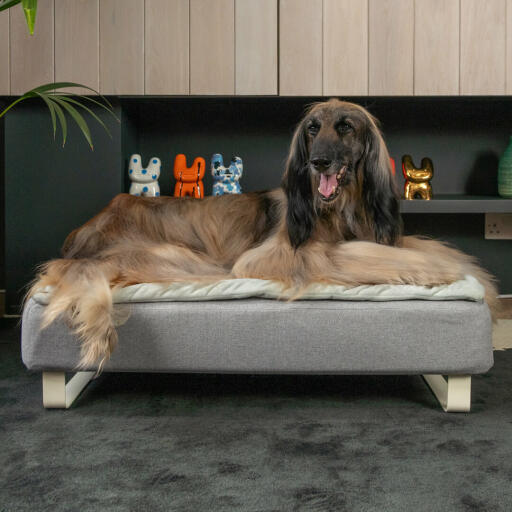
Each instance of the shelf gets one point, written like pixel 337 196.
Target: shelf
pixel 452 203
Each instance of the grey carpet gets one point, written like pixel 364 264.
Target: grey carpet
pixel 137 442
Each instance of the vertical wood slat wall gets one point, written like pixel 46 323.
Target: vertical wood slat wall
pixel 482 47
pixel 5 76
pixel 287 47
pixel 300 47
pixel 345 47
pixel 508 49
pixel 77 43
pixel 122 46
pixel 31 57
pixel 256 46
pixel 436 47
pixel 166 47
pixel 212 47
pixel 390 47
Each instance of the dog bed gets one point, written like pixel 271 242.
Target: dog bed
pixel 238 326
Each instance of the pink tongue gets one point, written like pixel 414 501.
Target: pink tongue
pixel 328 184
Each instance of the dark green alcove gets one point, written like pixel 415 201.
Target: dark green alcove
pixel 50 190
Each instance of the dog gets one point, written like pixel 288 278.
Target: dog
pixel 335 219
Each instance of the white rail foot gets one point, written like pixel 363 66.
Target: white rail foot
pixel 59 395
pixel 453 393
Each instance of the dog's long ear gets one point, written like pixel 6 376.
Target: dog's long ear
pixel 380 191
pixel 300 217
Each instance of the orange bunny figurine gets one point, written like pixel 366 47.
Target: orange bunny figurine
pixel 189 180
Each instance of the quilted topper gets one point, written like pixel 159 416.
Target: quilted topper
pixel 225 179
pixel 144 179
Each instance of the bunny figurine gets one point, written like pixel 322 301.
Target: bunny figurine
pixel 144 180
pixel 225 179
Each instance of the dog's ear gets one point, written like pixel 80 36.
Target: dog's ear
pixel 300 218
pixel 380 191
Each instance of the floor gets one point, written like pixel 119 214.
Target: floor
pixel 139 442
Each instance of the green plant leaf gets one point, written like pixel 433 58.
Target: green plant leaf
pixel 51 108
pixel 7 4
pixel 102 105
pixel 30 10
pixel 62 85
pixel 70 100
pixel 63 122
pixel 58 104
pixel 79 120
pixel 2 114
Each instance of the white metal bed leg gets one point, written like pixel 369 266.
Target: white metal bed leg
pixel 59 395
pixel 453 393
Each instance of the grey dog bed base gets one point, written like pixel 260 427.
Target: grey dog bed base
pixel 262 336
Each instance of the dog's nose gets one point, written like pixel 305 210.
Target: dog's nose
pixel 321 163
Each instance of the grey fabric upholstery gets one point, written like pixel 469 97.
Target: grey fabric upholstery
pixel 256 335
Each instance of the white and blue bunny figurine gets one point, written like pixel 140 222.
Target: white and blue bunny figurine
pixel 225 179
pixel 144 179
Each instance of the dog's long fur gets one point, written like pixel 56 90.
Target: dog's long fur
pixel 292 234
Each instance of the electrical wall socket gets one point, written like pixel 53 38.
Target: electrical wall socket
pixel 498 226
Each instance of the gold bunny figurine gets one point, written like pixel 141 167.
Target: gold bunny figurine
pixel 417 180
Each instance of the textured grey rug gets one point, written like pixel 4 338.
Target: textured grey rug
pixel 138 442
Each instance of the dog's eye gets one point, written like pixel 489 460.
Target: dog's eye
pixel 313 129
pixel 344 127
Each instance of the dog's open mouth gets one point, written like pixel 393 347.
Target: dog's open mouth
pixel 330 185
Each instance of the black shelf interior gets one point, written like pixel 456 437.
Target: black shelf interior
pixel 48 190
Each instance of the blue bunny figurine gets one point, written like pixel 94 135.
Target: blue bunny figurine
pixel 225 179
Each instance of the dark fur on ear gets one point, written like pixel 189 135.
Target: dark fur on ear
pixel 380 191
pixel 300 216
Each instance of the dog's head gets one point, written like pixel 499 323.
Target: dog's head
pixel 339 160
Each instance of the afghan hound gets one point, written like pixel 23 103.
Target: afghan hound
pixel 335 219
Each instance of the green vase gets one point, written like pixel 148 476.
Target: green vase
pixel 505 172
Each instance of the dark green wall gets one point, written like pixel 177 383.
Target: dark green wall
pixel 2 198
pixel 467 233
pixel 50 190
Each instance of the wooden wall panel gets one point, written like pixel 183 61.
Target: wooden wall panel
pixel 345 47
pixel 32 57
pixel 5 72
pixel 212 46
pixel 436 47
pixel 508 50
pixel 77 43
pixel 167 47
pixel 256 46
pixel 122 46
pixel 391 43
pixel 300 47
pixel 482 52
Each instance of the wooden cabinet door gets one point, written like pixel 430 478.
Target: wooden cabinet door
pixel 256 46
pixel 345 47
pixel 122 46
pixel 212 47
pixel 391 43
pixel 5 72
pixel 300 47
pixel 77 43
pixel 436 47
pixel 482 47
pixel 167 47
pixel 31 57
